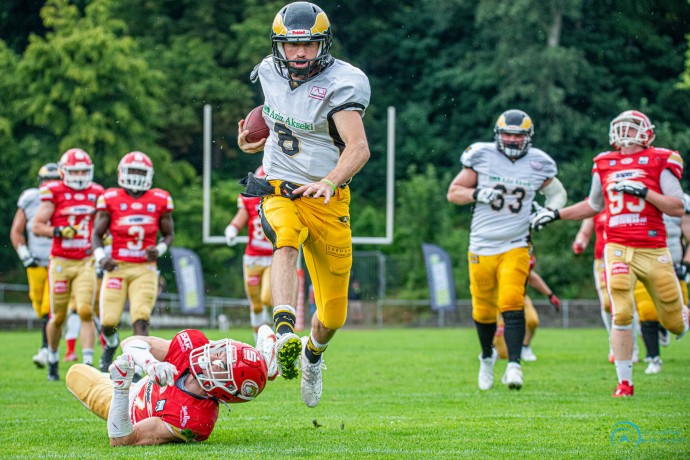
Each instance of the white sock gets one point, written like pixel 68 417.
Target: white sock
pixel 88 355
pixel 119 423
pixel 624 370
pixel 52 356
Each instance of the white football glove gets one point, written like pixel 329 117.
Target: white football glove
pixel 485 195
pixel 231 235
pixel 631 187
pixel 121 372
pixel 161 372
pixel 542 218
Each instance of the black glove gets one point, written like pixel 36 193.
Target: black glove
pixel 542 218
pixel 256 186
pixel 631 187
pixel 29 262
pixel 682 270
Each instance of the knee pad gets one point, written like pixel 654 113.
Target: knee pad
pixel 58 319
pixel 622 320
pixel 85 312
pixel 512 299
pixel 666 286
pixel 531 322
pixel 620 282
pixel 334 313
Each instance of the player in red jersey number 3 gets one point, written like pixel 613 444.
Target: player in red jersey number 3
pixel 134 213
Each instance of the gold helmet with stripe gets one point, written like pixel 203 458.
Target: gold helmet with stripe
pixel 48 171
pixel 514 122
pixel 301 22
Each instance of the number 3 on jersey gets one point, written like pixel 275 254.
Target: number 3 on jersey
pixel 287 141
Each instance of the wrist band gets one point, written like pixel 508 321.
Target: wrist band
pixel 329 183
pixel 161 248
pixel 99 254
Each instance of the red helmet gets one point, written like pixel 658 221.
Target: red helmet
pixel 76 169
pixel 620 135
pixel 135 172
pixel 230 371
pixel 260 172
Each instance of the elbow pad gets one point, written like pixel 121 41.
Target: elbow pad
pixel 140 351
pixel 555 194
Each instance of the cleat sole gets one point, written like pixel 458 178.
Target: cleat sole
pixel 287 358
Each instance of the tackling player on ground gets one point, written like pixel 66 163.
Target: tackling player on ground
pixel 314 106
pixel 66 214
pixel 635 184
pixel 257 257
pixel 134 213
pixel 502 179
pixel 34 254
pixel 186 378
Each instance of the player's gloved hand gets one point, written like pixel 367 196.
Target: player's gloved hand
pixel 578 247
pixel 121 372
pixel 485 195
pixel 64 232
pixel 231 235
pixel 682 270
pixel 25 256
pixel 631 187
pixel 555 301
pixel 542 218
pixel 162 373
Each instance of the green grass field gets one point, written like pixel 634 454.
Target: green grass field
pixel 394 393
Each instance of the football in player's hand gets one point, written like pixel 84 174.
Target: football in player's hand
pixel 256 125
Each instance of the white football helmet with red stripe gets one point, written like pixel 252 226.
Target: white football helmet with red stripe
pixel 230 371
pixel 631 128
pixel 76 169
pixel 135 172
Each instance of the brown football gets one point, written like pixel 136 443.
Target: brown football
pixel 256 125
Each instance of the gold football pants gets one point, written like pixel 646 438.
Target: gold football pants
pixel 600 283
pixel 497 283
pixel 71 277
pixel 654 269
pixel 39 290
pixel 137 282
pixel 645 305
pixel 257 285
pixel 323 230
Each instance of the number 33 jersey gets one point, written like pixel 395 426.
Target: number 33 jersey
pixel 134 221
pixel 504 224
pixel 304 144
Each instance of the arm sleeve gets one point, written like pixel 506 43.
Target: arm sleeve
pixel 670 185
pixel 596 194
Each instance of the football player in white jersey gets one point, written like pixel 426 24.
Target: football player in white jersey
pixel 35 254
pixel 313 105
pixel 501 179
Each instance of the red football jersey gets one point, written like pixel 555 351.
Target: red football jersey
pixel 134 221
pixel 74 208
pixel 631 221
pixel 258 245
pixel 599 235
pixel 195 417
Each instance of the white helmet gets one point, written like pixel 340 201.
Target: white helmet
pixel 73 161
pixel 138 181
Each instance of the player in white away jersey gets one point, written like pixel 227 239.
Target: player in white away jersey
pixel 502 179
pixel 314 106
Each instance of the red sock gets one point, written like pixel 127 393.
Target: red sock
pixel 70 346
